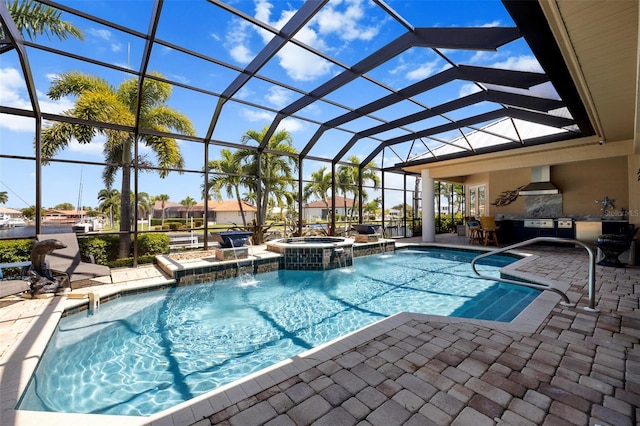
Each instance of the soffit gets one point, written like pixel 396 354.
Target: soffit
pixel 603 37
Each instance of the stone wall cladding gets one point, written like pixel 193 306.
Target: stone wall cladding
pixel 217 272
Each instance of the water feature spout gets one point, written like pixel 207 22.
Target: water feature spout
pixel 339 253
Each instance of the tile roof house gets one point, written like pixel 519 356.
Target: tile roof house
pixel 319 210
pixel 220 211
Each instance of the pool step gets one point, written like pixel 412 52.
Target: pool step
pixel 501 304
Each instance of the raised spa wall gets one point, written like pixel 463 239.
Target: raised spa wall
pixel 313 253
pixel 299 258
pixel 322 253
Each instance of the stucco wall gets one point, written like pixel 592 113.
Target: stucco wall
pixel 581 184
pixel 585 182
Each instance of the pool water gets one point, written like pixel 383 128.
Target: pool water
pixel 141 354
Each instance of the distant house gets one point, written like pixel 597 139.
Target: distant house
pixel 63 216
pixel 10 213
pixel 318 210
pixel 220 211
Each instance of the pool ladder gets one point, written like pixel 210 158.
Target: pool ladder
pixel 566 301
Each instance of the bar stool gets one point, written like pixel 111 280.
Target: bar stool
pixel 475 231
pixel 488 224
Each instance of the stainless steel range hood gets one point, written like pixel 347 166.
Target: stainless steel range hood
pixel 540 182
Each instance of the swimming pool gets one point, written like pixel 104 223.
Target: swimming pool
pixel 141 354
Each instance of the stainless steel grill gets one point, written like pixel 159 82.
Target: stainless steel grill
pixel 538 223
pixel 565 223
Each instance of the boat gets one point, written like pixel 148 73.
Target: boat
pixel 17 222
pixel 7 221
pixel 83 225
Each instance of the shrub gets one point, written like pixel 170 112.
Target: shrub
pixel 96 247
pixel 152 244
pixel 14 251
pixel 128 261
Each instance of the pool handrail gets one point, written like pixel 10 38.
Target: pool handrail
pixel 567 302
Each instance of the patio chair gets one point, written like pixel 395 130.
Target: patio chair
pixel 69 261
pixel 489 229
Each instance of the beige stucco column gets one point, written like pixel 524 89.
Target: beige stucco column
pixel 428 209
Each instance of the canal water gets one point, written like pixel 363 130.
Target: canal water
pixel 30 231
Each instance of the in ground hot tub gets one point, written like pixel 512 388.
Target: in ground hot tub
pixel 314 253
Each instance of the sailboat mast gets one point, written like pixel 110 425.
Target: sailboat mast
pixel 78 207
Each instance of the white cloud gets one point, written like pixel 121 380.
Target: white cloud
pixel 241 54
pixel 292 125
pixel 13 93
pixel 302 65
pixel 95 147
pixel 180 78
pixel 102 34
pixel 468 89
pixel 11 82
pixel 116 47
pixel 244 93
pixel 348 23
pixel 237 40
pixel 423 71
pixel 278 96
pixel 345 24
pixel 520 63
pixel 253 115
pixel 491 24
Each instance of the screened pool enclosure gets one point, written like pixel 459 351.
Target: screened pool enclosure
pixel 157 110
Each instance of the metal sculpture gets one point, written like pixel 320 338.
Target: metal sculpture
pixel 507 197
pixel 606 203
pixel 40 276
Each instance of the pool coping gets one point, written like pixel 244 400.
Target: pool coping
pixel 207 404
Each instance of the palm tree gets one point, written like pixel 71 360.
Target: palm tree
pixel 230 179
pixel 188 203
pixel 318 187
pixel 145 204
pixel 350 175
pixel 163 198
pixel 3 197
pixel 276 170
pixel 97 100
pixel 109 201
pixel 34 19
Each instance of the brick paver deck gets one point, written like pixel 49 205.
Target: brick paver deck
pixel 575 368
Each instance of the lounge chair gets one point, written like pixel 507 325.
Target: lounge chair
pixel 68 260
pixel 11 287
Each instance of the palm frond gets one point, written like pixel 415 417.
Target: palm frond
pixel 35 19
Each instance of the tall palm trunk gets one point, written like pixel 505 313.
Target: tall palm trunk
pixel 124 241
pixel 244 219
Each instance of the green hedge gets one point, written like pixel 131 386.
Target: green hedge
pixel 103 248
pixel 152 244
pixel 14 251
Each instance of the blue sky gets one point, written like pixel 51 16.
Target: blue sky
pixel 345 30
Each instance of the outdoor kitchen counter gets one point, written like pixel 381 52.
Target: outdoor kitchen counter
pixel 588 231
pixel 585 229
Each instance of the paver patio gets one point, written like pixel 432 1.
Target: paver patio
pixel 577 367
